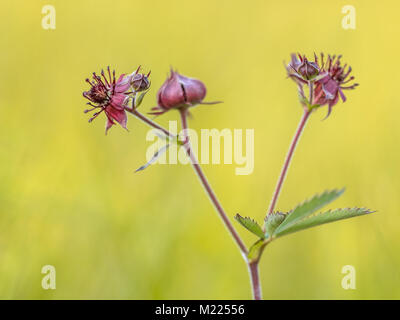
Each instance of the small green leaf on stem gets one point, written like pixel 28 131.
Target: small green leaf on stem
pixel 250 225
pixel 256 250
pixel 322 218
pixel 154 158
pixel 308 207
pixel 272 221
pixel 139 98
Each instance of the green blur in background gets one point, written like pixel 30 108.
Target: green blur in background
pixel 69 196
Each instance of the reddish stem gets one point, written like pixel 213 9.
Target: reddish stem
pixel 252 266
pixel 289 156
pixel 151 123
pixel 213 198
pixel 255 280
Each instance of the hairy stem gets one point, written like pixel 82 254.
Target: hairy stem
pixel 252 265
pixel 207 187
pixel 255 280
pixel 289 156
pixel 149 122
pixel 200 173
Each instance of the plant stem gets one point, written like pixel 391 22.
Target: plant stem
pixel 149 122
pixel 207 187
pixel 252 265
pixel 255 280
pixel 199 171
pixel 289 156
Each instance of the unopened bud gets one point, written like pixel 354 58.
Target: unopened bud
pixel 140 82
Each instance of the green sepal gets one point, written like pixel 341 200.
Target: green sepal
pixel 257 249
pixel 139 98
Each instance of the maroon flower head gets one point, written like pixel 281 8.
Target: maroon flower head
pixel 333 81
pixel 108 95
pixel 328 78
pixel 178 92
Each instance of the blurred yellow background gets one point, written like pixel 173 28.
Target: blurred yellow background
pixel 68 193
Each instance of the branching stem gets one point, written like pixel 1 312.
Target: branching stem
pixel 289 156
pixel 207 187
pixel 252 265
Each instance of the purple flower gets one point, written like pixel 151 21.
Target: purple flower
pixel 108 95
pixel 334 80
pixel 328 78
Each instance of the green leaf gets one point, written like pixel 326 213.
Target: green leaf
pixel 308 207
pixel 322 218
pixel 272 221
pixel 154 158
pixel 139 98
pixel 250 225
pixel 256 250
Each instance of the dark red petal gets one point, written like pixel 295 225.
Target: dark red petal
pixel 330 88
pixel 118 101
pixel 109 124
pixel 123 83
pixel 117 115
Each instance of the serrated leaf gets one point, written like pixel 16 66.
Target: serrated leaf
pixel 272 221
pixel 322 218
pixel 154 158
pixel 308 207
pixel 250 225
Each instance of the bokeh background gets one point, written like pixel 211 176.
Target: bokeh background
pixel 68 193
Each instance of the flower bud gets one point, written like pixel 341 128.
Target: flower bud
pixel 179 91
pixel 300 69
pixel 308 69
pixel 140 82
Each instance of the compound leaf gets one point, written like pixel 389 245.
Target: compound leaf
pixel 322 218
pixel 307 208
